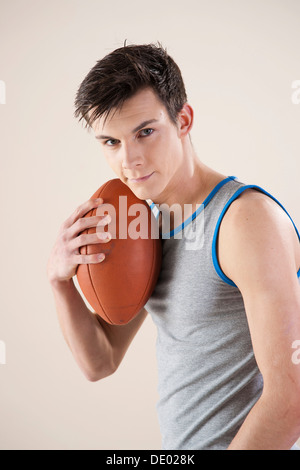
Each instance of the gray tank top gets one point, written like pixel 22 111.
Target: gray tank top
pixel 208 379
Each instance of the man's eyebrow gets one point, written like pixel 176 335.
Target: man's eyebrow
pixel 136 129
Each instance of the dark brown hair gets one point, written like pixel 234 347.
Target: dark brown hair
pixel 123 72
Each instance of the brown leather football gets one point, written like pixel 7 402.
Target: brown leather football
pixel 118 287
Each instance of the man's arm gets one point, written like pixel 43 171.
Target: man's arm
pixel 97 346
pixel 259 252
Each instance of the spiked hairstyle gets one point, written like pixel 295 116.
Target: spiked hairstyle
pixel 123 72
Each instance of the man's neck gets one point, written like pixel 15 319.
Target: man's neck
pixel 190 193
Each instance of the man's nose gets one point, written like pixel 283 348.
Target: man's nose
pixel 131 156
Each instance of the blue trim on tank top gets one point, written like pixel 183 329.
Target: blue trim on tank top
pixel 200 209
pixel 214 244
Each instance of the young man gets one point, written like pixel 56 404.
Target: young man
pixel 228 311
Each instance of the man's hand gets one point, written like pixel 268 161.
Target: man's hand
pixel 65 256
pixel 97 347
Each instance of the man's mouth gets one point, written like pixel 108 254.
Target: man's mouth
pixel 140 180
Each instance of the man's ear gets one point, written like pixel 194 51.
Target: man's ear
pixel 185 120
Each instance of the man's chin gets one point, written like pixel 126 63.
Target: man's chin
pixel 140 190
pixel 140 193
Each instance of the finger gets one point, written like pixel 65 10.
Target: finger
pixel 82 210
pixel 89 259
pixel 89 239
pixel 86 222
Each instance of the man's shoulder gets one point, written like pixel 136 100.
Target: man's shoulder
pixel 255 232
pixel 255 205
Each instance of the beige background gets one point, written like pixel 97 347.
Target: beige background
pixel 239 60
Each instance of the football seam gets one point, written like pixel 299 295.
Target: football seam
pixel 150 277
pixel 90 276
pixel 95 292
pixel 152 269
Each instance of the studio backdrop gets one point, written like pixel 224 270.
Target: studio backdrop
pixel 240 63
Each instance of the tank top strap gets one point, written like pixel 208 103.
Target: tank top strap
pixel 237 193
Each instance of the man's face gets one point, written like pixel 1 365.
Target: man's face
pixel 143 146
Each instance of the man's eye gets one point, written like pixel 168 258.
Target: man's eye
pixel 145 132
pixel 111 142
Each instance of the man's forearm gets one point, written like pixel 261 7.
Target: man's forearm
pixel 82 331
pixel 271 425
